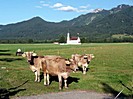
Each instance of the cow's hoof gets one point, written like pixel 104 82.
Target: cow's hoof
pixel 60 89
pixel 66 87
pixel 46 85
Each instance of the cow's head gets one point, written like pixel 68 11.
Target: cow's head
pixel 72 64
pixel 29 55
pixel 88 57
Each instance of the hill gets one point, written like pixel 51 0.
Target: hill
pixel 98 25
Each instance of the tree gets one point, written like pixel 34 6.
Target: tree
pixel 30 41
pixel 62 39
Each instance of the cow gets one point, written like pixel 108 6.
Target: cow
pixel 60 67
pixel 19 52
pixel 50 65
pixel 82 60
pixel 34 61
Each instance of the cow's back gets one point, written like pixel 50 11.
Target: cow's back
pixel 54 65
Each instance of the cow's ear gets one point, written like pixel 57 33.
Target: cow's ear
pixel 92 55
pixel 24 55
pixel 71 60
pixel 34 54
pixel 67 61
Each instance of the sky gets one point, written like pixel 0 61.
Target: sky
pixel 13 11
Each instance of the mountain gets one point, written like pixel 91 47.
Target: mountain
pixel 97 25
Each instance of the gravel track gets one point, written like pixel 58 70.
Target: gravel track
pixel 69 95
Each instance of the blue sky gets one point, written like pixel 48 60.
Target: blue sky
pixel 13 11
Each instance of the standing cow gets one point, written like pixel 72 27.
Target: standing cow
pixel 34 62
pixel 60 67
pixel 83 60
pixel 51 65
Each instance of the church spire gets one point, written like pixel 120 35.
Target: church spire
pixel 68 37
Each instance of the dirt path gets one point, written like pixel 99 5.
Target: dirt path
pixel 69 95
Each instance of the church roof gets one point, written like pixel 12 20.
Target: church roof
pixel 73 38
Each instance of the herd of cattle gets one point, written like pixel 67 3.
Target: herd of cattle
pixel 56 66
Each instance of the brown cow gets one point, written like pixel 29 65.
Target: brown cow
pixel 57 67
pixel 82 60
pixel 34 62
pixel 50 64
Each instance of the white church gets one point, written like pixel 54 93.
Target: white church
pixel 73 40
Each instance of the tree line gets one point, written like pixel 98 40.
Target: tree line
pixel 62 39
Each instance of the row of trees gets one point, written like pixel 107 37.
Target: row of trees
pixel 62 39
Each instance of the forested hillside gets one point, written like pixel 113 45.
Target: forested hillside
pixel 97 26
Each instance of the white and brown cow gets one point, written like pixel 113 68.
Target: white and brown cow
pixel 51 65
pixel 82 60
pixel 34 62
pixel 57 67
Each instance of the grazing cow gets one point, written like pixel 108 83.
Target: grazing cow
pixel 19 52
pixel 57 67
pixel 82 60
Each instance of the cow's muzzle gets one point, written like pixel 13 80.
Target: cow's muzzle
pixel 88 62
pixel 29 61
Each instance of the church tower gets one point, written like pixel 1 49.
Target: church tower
pixel 68 38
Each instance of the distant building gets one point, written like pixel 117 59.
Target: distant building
pixel 73 40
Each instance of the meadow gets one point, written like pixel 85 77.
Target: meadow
pixel 109 72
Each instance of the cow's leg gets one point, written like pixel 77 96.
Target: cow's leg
pixel 65 76
pixel 45 79
pixel 60 81
pixel 84 68
pixel 84 72
pixel 65 82
pixel 38 75
pixel 48 79
pixel 35 71
pixel 35 76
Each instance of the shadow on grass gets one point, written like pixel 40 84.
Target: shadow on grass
pixel 69 80
pixel 4 50
pixel 5 54
pixel 5 93
pixel 55 78
pixel 115 94
pixel 10 59
pixel 2 53
pixel 81 69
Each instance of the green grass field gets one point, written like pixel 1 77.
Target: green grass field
pixel 109 72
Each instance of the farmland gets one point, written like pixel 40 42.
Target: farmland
pixel 109 72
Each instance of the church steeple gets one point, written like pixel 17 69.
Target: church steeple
pixel 68 37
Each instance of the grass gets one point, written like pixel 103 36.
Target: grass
pixel 110 70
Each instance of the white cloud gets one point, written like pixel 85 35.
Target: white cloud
pixel 67 8
pixel 57 5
